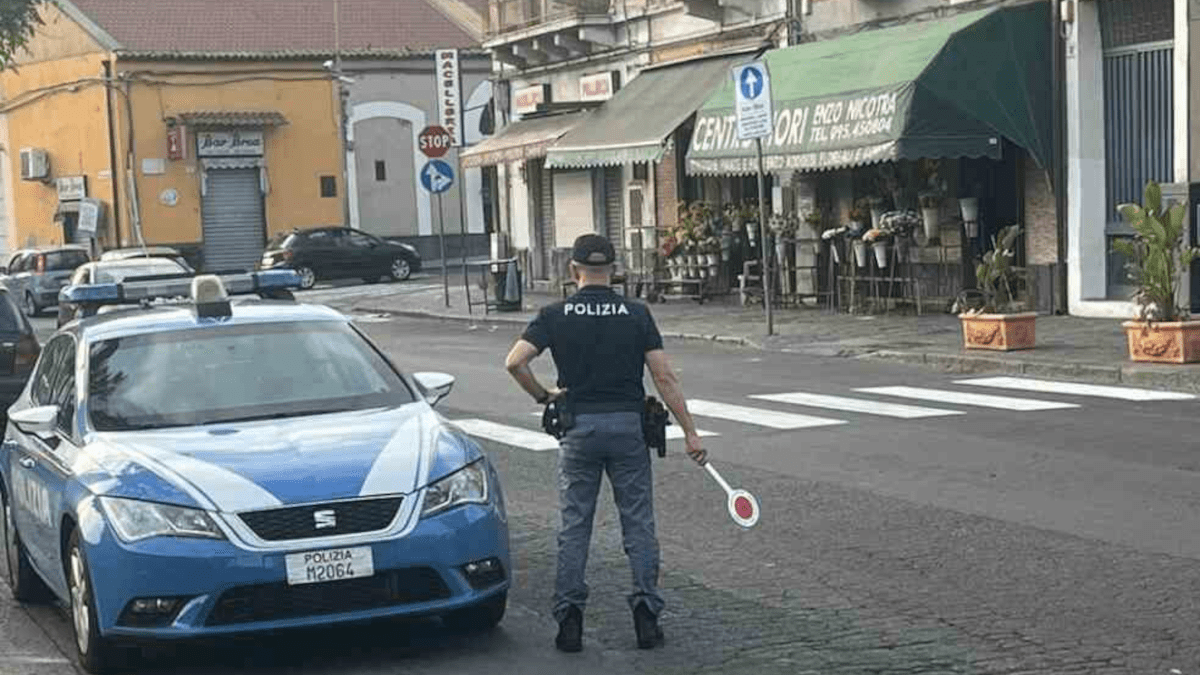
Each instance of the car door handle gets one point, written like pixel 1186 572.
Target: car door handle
pixel 27 462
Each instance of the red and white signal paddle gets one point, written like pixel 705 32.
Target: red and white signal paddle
pixel 742 505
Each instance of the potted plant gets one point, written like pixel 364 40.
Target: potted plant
pixel 1161 330
pixel 931 210
pixel 878 238
pixel 994 321
pixel 900 225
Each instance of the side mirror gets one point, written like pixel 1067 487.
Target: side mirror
pixel 36 421
pixel 436 385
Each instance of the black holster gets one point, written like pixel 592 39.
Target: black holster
pixel 654 425
pixel 559 416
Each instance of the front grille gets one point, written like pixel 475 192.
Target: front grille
pixel 272 602
pixel 301 522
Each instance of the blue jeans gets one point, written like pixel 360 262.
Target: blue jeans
pixel 609 443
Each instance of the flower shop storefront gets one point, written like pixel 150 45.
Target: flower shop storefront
pixel 897 155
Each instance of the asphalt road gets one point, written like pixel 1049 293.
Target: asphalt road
pixel 989 540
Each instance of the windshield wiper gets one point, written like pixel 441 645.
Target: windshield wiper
pixel 275 416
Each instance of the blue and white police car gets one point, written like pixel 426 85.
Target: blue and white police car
pixel 216 466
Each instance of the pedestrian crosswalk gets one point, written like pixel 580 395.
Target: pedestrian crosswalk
pixel 961 397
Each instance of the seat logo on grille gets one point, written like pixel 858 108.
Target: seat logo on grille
pixel 323 520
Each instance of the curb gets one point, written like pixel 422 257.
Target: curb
pixel 1125 374
pixel 513 321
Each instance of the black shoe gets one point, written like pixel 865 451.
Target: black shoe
pixel 649 633
pixel 570 631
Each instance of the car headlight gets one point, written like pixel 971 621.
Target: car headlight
pixel 468 485
pixel 136 520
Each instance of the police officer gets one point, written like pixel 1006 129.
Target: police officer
pixel 601 343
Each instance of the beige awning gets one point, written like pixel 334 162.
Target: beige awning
pixel 521 140
pixel 232 118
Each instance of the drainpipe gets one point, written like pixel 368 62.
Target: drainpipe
pixel 113 172
pixel 1059 161
pixel 135 212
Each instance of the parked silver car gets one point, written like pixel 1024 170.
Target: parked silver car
pixel 35 275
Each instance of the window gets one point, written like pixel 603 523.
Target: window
pixel 328 186
pixel 380 170
pixel 57 363
pixel 58 261
pixel 237 373
pixel 359 240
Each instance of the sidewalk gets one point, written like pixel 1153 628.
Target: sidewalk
pixel 1068 348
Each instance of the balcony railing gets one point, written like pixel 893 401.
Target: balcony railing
pixel 509 16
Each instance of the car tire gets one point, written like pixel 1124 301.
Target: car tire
pixel 24 583
pixel 480 617
pixel 96 654
pixel 308 277
pixel 30 306
pixel 400 269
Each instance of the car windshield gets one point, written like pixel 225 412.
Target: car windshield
pixel 224 374
pixel 58 261
pixel 282 240
pixel 118 273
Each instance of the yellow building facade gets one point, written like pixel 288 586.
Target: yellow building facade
pixel 211 155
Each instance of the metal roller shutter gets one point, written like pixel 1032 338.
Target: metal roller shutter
pixel 234 222
pixel 546 224
pixel 613 211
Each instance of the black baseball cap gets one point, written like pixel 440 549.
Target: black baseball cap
pixel 592 249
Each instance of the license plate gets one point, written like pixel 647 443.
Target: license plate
pixel 335 564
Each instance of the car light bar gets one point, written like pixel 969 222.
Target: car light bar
pixel 134 290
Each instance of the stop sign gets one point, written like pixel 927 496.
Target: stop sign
pixel 434 141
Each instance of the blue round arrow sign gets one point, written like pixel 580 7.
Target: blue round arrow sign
pixel 437 176
pixel 752 82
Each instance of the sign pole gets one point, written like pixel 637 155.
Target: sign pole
pixel 765 255
pixel 462 223
pixel 442 242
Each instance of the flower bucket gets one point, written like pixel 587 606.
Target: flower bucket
pixel 931 217
pixel 876 216
pixel 970 215
pixel 881 252
pixel 860 252
pixel 903 249
pixel 713 259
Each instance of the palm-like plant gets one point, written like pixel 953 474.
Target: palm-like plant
pixel 994 274
pixel 1157 255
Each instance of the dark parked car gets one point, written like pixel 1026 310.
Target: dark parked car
pixel 35 275
pixel 339 253
pixel 19 350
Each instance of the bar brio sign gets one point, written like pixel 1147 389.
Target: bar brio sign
pixel 229 143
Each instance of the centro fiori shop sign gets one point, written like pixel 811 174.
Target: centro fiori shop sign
pixel 810 134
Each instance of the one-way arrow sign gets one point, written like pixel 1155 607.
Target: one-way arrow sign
pixel 752 85
pixel 437 176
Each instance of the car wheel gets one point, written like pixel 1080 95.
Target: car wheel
pixel 96 653
pixel 23 582
pixel 30 306
pixel 480 617
pixel 401 270
pixel 308 277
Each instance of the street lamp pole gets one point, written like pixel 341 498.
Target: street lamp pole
pixel 343 123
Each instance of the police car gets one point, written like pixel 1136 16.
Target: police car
pixel 220 466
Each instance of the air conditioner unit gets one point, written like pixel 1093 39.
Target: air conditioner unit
pixel 35 164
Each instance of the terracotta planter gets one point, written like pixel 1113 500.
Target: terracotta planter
pixel 1163 342
pixel 1000 332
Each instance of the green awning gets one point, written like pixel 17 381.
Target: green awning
pixel 942 88
pixel 633 125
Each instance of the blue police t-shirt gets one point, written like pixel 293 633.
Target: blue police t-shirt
pixel 598 340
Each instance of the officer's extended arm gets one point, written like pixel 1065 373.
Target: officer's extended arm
pixel 518 366
pixel 668 387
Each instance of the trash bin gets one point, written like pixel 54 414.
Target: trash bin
pixel 506 282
